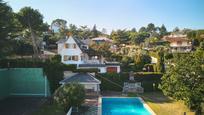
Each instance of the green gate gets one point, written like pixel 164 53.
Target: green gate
pixel 23 82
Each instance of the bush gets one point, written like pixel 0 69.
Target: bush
pixel 54 72
pixel 57 58
pixel 70 95
pixel 150 80
pixel 70 67
pixel 115 85
pixel 168 56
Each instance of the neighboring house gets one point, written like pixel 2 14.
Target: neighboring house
pixel 178 43
pixel 74 51
pixel 91 84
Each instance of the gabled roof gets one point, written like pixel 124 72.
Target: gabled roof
pixel 79 43
pixel 83 78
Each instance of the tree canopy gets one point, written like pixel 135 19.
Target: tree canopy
pixel 70 95
pixel 184 80
pixel 6 27
pixel 32 20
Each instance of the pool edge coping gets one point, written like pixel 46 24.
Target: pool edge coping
pixel 143 102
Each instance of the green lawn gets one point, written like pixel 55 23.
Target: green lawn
pixel 163 105
pixel 47 109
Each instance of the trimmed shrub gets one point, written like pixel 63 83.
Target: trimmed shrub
pixel 112 81
pixel 149 80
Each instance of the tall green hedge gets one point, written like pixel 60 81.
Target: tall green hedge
pixel 118 80
pixel 149 80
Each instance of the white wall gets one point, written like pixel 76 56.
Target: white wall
pixel 102 69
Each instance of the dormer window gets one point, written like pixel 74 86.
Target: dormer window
pixel 66 45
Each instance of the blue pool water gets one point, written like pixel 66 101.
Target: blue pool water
pixel 123 106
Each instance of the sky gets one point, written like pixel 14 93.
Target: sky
pixel 120 14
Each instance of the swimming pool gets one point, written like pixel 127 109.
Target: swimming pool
pixel 124 106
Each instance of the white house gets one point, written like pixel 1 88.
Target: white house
pixel 178 43
pixel 74 51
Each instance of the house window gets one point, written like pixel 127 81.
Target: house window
pixel 74 46
pixel 71 58
pixel 65 57
pixel 66 45
pixel 75 58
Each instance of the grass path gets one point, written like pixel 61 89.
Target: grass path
pixel 163 105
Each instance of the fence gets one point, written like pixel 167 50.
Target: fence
pixel 23 82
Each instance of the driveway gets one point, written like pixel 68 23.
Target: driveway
pixel 20 105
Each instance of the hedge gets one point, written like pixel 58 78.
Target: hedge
pixel 149 80
pixel 118 80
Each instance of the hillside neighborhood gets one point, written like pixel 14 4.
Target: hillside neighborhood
pixel 60 68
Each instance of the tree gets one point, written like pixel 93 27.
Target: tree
pixel 84 32
pixel 73 30
pixel 94 32
pixel 120 36
pixel 133 30
pixel 60 24
pixel 126 60
pixel 6 28
pixel 162 30
pixel 196 36
pixel 132 36
pixel 151 28
pixel 176 30
pixel 184 80
pixel 70 95
pixel 101 49
pixel 32 20
pixel 139 38
pixel 23 48
pixel 141 59
pixel 142 29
